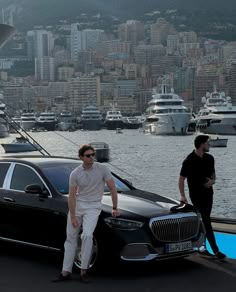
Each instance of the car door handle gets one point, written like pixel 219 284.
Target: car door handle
pixel 8 199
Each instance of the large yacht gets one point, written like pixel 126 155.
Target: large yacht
pixel 217 116
pixel 66 121
pixel 27 121
pixel 47 120
pixel 114 119
pixel 166 114
pixel 4 130
pixel 91 118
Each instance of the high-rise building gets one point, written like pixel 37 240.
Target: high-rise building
pixel 84 91
pixel 40 43
pixel 232 82
pixel 83 40
pixel 172 44
pixel 45 69
pixel 132 31
pixel 145 54
pixel 65 73
pixel 160 30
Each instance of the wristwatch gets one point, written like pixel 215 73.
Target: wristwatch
pixel 114 208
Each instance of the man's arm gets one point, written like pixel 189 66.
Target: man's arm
pixel 112 187
pixel 181 189
pixel 72 204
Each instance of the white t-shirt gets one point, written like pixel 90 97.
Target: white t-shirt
pixel 90 182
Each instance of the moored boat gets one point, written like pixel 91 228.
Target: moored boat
pixel 20 144
pixel 114 119
pixel 166 114
pixel 102 151
pixel 218 142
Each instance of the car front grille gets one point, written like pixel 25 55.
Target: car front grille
pixel 174 228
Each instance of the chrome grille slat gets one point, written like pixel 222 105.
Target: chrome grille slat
pixel 175 228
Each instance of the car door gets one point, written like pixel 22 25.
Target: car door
pixel 5 202
pixel 31 214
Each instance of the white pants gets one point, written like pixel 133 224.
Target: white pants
pixel 87 214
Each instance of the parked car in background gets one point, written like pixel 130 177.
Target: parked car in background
pixel 33 211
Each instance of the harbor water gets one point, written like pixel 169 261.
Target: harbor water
pixel 150 162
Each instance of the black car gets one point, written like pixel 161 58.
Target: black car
pixel 33 211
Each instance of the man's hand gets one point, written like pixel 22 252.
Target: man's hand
pixel 74 221
pixel 115 213
pixel 183 199
pixel 210 182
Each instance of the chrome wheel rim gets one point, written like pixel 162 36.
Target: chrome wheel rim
pixel 94 254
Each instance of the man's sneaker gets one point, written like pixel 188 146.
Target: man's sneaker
pixel 220 255
pixel 206 253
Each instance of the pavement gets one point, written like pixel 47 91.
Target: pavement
pixel 24 269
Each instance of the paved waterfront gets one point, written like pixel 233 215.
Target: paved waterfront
pixel 23 270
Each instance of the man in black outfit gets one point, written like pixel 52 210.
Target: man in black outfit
pixel 199 169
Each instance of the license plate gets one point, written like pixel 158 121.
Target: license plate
pixel 177 247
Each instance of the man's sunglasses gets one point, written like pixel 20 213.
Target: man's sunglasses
pixel 89 155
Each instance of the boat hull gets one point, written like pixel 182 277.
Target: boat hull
pixel 218 142
pixel 20 147
pixel 91 125
pixel 175 124
pixel 49 126
pixel 113 125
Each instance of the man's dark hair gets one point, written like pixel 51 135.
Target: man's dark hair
pixel 85 148
pixel 200 139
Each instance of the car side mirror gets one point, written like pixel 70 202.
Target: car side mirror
pixel 36 189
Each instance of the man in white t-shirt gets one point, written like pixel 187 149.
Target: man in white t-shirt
pixel 86 188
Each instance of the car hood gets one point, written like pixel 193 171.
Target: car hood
pixel 149 205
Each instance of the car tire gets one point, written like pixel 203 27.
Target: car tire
pixel 94 256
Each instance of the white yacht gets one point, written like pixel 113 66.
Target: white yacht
pixel 114 119
pixel 91 118
pixel 66 121
pixel 166 114
pixel 4 129
pixel 217 116
pixel 47 120
pixel 27 121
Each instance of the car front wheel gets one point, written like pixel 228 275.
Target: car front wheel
pixel 94 254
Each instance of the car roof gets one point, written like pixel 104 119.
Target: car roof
pixel 39 159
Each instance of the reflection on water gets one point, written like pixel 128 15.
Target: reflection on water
pixel 150 162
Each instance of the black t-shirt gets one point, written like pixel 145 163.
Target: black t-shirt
pixel 197 169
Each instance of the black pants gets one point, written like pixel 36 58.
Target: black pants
pixel 204 208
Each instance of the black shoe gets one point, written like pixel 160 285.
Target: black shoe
pixel 206 253
pixel 62 278
pixel 220 255
pixel 84 279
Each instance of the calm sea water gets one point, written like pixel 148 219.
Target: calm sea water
pixel 150 162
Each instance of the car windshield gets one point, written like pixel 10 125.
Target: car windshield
pixel 59 175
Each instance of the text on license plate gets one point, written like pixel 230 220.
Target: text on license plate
pixel 180 246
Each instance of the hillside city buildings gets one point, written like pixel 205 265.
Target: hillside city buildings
pixel 74 67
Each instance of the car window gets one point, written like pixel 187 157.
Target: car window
pixel 120 186
pixel 3 170
pixel 59 177
pixel 23 176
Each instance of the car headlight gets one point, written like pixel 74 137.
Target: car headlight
pixel 123 224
